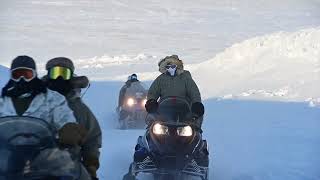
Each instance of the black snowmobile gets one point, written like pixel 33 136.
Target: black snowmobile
pixel 28 151
pixel 172 147
pixel 132 113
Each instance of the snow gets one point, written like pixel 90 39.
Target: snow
pixel 4 74
pixel 196 30
pixel 248 139
pixel 279 66
pixel 282 66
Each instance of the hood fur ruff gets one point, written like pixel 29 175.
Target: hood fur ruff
pixel 171 60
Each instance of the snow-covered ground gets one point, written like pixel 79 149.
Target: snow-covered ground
pixel 242 54
pixel 249 140
pixel 196 30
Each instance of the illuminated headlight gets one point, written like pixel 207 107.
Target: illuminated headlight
pixel 185 131
pixel 144 102
pixel 130 102
pixel 159 129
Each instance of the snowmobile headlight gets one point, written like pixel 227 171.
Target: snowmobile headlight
pixel 159 129
pixel 144 102
pixel 130 102
pixel 185 131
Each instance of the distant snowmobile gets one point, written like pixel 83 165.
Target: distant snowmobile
pixel 29 152
pixel 132 113
pixel 172 147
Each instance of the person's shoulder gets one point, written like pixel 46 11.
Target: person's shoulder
pixel 186 72
pixel 52 93
pixel 54 97
pixel 162 75
pixel 78 105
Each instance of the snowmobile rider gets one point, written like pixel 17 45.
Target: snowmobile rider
pixel 132 78
pixel 26 95
pixel 61 78
pixel 175 82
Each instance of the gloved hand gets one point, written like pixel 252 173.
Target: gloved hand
pixel 92 164
pixel 197 109
pixel 92 171
pixel 72 134
pixel 151 106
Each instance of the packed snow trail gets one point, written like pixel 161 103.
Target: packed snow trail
pixel 249 140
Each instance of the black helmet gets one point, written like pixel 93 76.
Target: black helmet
pixel 133 77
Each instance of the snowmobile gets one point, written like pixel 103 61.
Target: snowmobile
pixel 172 147
pixel 29 152
pixel 132 113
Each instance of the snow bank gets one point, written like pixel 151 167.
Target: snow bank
pixel 282 66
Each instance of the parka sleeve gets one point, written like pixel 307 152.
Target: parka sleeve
pixel 94 138
pixel 154 90
pixel 192 89
pixel 121 95
pixel 62 114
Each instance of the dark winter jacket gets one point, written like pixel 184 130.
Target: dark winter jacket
pixel 181 85
pixel 90 149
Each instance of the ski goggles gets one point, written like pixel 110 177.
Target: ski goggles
pixel 59 71
pixel 172 66
pixel 22 72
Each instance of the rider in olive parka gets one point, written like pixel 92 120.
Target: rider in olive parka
pixel 174 82
pixel 89 151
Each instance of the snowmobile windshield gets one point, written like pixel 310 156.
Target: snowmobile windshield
pixel 174 111
pixel 136 90
pixel 18 137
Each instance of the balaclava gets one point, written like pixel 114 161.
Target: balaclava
pixel 60 85
pixel 22 88
pixel 172 71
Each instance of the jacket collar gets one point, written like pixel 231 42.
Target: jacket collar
pixel 35 104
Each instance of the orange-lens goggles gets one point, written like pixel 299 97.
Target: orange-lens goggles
pixel 26 73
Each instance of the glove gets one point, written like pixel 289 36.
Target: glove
pixel 151 106
pixel 92 164
pixel 92 172
pixel 72 134
pixel 197 108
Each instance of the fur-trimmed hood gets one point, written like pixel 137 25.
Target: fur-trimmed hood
pixel 174 59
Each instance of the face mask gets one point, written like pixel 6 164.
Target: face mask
pixel 22 89
pixel 60 85
pixel 172 71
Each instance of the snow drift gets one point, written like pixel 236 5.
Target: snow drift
pixel 282 65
